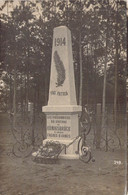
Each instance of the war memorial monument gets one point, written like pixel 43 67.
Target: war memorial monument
pixel 62 111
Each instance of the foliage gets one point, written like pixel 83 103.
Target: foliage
pixel 26 45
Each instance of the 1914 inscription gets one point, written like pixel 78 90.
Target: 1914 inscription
pixel 60 41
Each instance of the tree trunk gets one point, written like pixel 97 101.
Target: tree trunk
pixel 80 58
pixel 104 88
pixel 46 88
pixel 116 75
pixel 14 98
pixel 10 95
pixel 77 79
pixel 21 96
pixel 33 117
pixel 81 70
pixel 38 94
pixel 95 83
pixel 104 94
pixel 87 77
pixel 25 95
pixel 27 89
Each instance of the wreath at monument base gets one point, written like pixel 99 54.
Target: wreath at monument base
pixel 49 152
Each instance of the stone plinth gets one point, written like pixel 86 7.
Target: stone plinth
pixel 62 123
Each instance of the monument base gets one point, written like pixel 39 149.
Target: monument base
pixel 63 127
pixel 70 148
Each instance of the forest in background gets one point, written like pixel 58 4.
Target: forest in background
pixel 99 45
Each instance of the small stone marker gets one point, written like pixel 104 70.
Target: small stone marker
pixel 62 111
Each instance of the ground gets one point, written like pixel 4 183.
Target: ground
pixel 23 176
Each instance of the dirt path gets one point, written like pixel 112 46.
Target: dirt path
pixel 25 177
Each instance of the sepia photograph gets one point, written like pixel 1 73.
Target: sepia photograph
pixel 63 97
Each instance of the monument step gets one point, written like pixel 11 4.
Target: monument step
pixel 62 108
pixel 69 156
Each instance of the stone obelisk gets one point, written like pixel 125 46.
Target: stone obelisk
pixel 62 111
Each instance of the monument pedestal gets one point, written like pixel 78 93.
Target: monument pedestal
pixel 62 125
